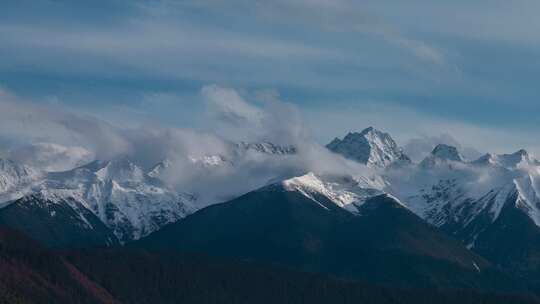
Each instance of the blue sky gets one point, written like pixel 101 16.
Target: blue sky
pixel 413 68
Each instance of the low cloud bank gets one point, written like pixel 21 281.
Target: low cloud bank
pixel 212 165
pixel 54 139
pixel 419 147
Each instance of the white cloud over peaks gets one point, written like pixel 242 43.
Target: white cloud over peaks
pixel 227 105
pixel 270 120
pixel 418 148
pixel 151 145
pixel 239 172
pixel 51 138
pixel 27 122
pixel 233 171
pixel 51 157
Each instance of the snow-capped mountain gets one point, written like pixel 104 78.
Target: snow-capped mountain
pixel 460 197
pixel 127 199
pixel 264 147
pixel 296 223
pixel 515 160
pixel 442 154
pixel 454 195
pixel 345 191
pixel 15 179
pixel 490 205
pixel 236 152
pixel 370 147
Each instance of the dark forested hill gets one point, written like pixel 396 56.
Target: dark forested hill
pixel 33 274
pixel 146 278
pixel 385 244
pixel 57 224
pixel 29 273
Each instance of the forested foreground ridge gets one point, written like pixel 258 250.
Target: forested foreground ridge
pixel 33 274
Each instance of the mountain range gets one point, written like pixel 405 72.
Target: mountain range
pixel 444 222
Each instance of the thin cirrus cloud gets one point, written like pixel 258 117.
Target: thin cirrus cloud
pixel 269 120
pixel 176 48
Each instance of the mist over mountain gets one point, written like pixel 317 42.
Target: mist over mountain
pixel 356 208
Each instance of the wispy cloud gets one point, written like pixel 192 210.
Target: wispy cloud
pixel 46 135
pixel 56 139
pixel 329 16
pixel 227 105
pixel 268 120
pixel 465 73
pixel 418 148
pixel 26 121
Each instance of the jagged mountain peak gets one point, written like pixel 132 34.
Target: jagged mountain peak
pixel 447 152
pixel 442 154
pixel 522 152
pixel 367 132
pixel 372 130
pixel 266 147
pixel 488 158
pixel 119 169
pixel 371 147
pixel 511 161
pixel 334 142
pixel 519 157
pixel 118 191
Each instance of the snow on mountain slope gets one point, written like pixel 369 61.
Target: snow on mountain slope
pixel 442 154
pixel 129 201
pixel 528 200
pixel 370 147
pixel 459 196
pixel 164 169
pixel 57 222
pixel 15 179
pixel 515 160
pixel 237 151
pixel 346 192
pixel 464 198
pixel 265 147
